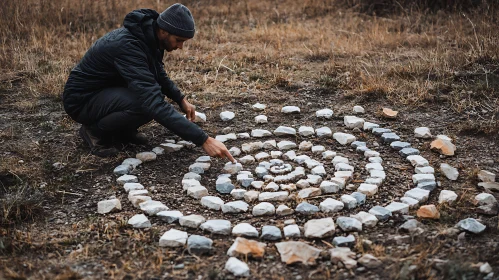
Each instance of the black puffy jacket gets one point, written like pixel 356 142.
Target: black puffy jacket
pixel 130 57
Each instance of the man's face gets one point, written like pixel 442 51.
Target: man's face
pixel 170 42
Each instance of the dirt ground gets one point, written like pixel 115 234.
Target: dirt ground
pixel 69 240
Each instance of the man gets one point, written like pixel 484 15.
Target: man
pixel 120 84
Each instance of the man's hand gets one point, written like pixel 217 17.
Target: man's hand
pixel 188 109
pixel 215 148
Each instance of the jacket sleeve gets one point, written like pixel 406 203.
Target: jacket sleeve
pixel 168 87
pixel 132 65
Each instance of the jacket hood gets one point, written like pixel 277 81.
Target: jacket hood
pixel 141 24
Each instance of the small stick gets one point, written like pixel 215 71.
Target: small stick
pixel 65 192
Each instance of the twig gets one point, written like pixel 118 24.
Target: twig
pixel 218 68
pixel 65 192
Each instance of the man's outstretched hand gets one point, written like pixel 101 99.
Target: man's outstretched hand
pixel 188 109
pixel 215 148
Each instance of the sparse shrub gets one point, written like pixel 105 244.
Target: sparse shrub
pixel 20 203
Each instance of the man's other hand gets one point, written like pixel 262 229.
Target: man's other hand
pixel 188 109
pixel 215 148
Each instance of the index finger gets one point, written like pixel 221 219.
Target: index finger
pixel 229 156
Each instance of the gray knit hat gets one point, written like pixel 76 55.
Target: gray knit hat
pixel 177 20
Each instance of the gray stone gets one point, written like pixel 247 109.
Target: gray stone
pixel 450 172
pixel 323 132
pixel 380 212
pixel 367 189
pixel 343 255
pixel 471 225
pixel 212 202
pixel 309 192
pixel 360 197
pixel 283 210
pixel 291 231
pixel 447 196
pixel 273 196
pixel 192 175
pixel 411 226
pixel 197 192
pixel 127 179
pixel 191 221
pixel 289 155
pixel 232 168
pixel 139 221
pixel 132 186
pixel 343 138
pixel 422 178
pixel 369 126
pixel 290 109
pixel 353 122
pixel 405 152
pixel 374 166
pixel 152 207
pixel 318 149
pixel 324 113
pixel 329 187
pixel 227 115
pixel 237 267
pixel 248 159
pixel 263 209
pixel 245 229
pixel 199 167
pixel 262 156
pixel 349 224
pixel 224 185
pixel 397 208
pixel 259 133
pixel 330 205
pixel 319 228
pixel 342 241
pixel 367 219
pixel 235 207
pixel 169 216
pixel 203 159
pixel 349 201
pixel 305 146
pixel 389 137
pixel 197 244
pixel 271 233
pixel 285 131
pixel 108 206
pixel 410 201
pixel 222 227
pixel 398 145
pixel 378 131
pixel 134 162
pixel 251 196
pixel 306 208
pixel 418 194
pixel 418 161
pixel 122 169
pixel 173 238
pixel 424 170
pixel 158 151
pixel 356 144
pixel 306 131
pixel 429 186
pixel 238 193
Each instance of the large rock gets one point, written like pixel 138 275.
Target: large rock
pixel 343 138
pixel 235 207
pixel 349 224
pixel 319 228
pixel 197 244
pixel 244 229
pixel 107 206
pixel 222 227
pixel 271 233
pixel 471 225
pixel 173 238
pixel 428 212
pixel 294 251
pixel 263 208
pixel 191 221
pixel 324 113
pixel 343 255
pixel 285 131
pixel 237 267
pixel 444 147
pixel 139 221
pixel 353 122
pixel 146 156
pixel 422 132
pixel 245 248
pixel 450 172
pixel 227 115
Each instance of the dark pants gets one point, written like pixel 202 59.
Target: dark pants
pixel 113 111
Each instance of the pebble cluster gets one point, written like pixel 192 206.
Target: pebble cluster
pixel 285 173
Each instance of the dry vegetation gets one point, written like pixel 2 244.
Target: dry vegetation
pixel 434 54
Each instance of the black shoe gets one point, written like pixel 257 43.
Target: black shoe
pixel 96 143
pixel 133 137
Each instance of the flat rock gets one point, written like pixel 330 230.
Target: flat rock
pixel 380 212
pixel 344 138
pixel 212 202
pixel 305 146
pixel 418 194
pixel 368 126
pixel 327 187
pixel 397 208
pixel 318 149
pixel 389 137
pixel 261 119
pixel 409 201
pixel 358 109
pixel 173 238
pixel 235 207
pixel 226 137
pixel 290 110
pixel 237 267
pixel 286 145
pixel 297 252
pixel 197 192
pixel 328 155
pixel 428 212
pixel 139 221
pixel 289 155
pixel 158 151
pixel 342 241
pixel 349 224
pixel 292 231
pixel 306 208
pixel 270 144
pixel 232 168
pixel 197 244
pixel 134 162
pixel 398 145
pixel 323 132
pixel 258 107
pixel 263 209
pixel 450 172
pixel 319 228
pixel 273 196
pixel 306 131
pixel 405 152
pixel 343 255
pixel 353 122
pixel 285 131
pixel 369 261
pixel 191 221
pixel 283 210
pixel 152 207
pixel 108 206
pixel 324 113
pixel 227 115
pixel 133 186
pixel 251 196
pixel 122 169
pixel 245 248
pixel 127 179
pixel 169 216
pixel 486 176
pixel 429 186
pixel 259 133
pixel 252 147
pixel 235 151
pixel 447 196
pixel 422 132
pixel 224 185
pixel 368 189
pixel 491 186
pixel 367 219
pixel 200 117
pixel 309 192
pixel 171 147
pixel 378 131
pixel 222 227
pixel 330 205
pixel 146 156
pixel 443 147
pixel 138 199
pixel 424 170
pixel 389 113
pixel 191 175
pixel 238 193
pixel 244 229
pixel 471 225
pixel 359 197
pixel 271 233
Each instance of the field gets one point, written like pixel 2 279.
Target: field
pixel 437 65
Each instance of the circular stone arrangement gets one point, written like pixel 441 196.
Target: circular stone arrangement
pixel 270 173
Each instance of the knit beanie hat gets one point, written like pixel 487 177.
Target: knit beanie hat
pixel 177 20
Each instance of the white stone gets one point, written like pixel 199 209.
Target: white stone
pixel 251 147
pixel 238 193
pixel 212 202
pixel 397 207
pixel 374 166
pixel 226 137
pixel 486 176
pixel 139 221
pixel 319 228
pixel 347 175
pixel 261 119
pixel 306 131
pixel 358 109
pixel 353 122
pixel 367 219
pixel 200 117
pixel 339 159
pixel 290 109
pixel 284 210
pixel 314 179
pixel 327 155
pixel 173 238
pixel 289 155
pixel 450 172
pixel 330 205
pixel 122 169
pixel 189 183
pixel 341 182
pixel 132 186
pixel 271 187
pixel 375 160
pixel 344 138
pixel 222 227
pixel 169 216
pixel 319 149
pixel 418 194
pixel 127 179
pixel 424 170
pixel 158 151
pixel 329 187
pixel 262 156
pixel 257 184
pixel 152 207
pixel 133 193
pixel 292 231
pixel 323 132
pixel 259 133
pixel 305 146
pixel 422 132
pixel 259 107
pixel 318 170
pixel 343 167
pixel 244 229
pixel 197 192
pixel 237 267
pixel 231 168
pixel 413 203
pixel 275 154
pixel 286 145
pixel 138 199
pixel 423 178
pixel 238 206
pixel 235 151
pixel 273 196
pixel 418 161
pixel 263 208
pixel 107 206
pixel 348 201
pixel 146 156
pixel 248 159
pixel 285 131
pixel 369 126
pixel 324 113
pixel 227 115
pixel 171 147
pixel 371 153
pixel 134 162
pixel 368 189
pixel 374 181
pixel 191 221
pixel 447 196
pixel 485 199
pixel 309 192
pixel 243 135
